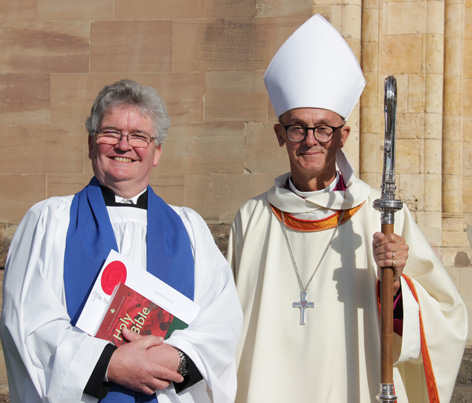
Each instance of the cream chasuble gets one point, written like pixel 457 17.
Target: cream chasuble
pixel 335 356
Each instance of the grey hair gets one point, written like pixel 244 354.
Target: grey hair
pixel 129 92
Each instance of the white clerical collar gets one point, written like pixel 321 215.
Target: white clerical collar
pixel 323 202
pixel 133 200
pixel 305 195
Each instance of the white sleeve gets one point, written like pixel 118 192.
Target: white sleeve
pixel 48 360
pixel 212 338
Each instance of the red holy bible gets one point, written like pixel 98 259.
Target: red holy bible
pixel 130 309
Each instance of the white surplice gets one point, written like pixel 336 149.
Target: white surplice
pixel 48 360
pixel 335 356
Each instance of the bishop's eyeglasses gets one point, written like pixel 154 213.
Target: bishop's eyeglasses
pixel 322 133
pixel 113 137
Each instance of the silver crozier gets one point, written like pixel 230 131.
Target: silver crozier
pixel 388 205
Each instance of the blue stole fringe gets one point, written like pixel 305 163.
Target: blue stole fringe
pixel 89 240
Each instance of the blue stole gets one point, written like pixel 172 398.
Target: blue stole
pixel 89 240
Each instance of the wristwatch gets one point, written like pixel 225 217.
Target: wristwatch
pixel 183 367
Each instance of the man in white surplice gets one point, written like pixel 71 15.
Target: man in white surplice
pixel 59 248
pixel 312 241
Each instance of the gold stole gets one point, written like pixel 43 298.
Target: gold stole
pixel 315 225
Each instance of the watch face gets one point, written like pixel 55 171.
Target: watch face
pixel 183 367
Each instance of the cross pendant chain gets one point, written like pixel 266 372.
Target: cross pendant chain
pixel 302 305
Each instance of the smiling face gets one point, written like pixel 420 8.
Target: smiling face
pixel 312 164
pixel 122 168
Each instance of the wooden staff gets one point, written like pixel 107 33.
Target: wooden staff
pixel 388 205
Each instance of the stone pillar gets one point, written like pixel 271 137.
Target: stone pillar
pixel 371 142
pixel 457 251
pixel 454 235
pixel 433 117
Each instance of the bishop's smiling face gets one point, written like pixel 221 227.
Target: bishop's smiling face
pixel 122 168
pixel 312 164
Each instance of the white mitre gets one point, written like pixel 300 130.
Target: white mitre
pixel 315 68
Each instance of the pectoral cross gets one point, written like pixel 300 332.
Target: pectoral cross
pixel 303 304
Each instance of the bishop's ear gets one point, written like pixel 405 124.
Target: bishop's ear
pixel 345 131
pixel 280 133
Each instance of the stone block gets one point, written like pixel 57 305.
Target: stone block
pixel 235 96
pixel 281 8
pixel 434 54
pixel 371 148
pixel 262 152
pixel 433 126
pixel 218 197
pixel 454 14
pixel 66 184
pixel 410 189
pixel 6 234
pixel 416 83
pixel 410 126
pixel 246 44
pixel 44 149
pixel 131 46
pixel 44 47
pixel 169 187
pixel 453 223
pixel 466 98
pixel 351 25
pixel 75 10
pixel 432 227
pixel 451 185
pixel 435 19
pixel 198 148
pixel 466 14
pixel 371 4
pixel 452 152
pixel 448 258
pixel 220 234
pixel 371 122
pixel 324 8
pixel 19 193
pixel 466 149
pixel 407 156
pixel 453 56
pixel 467 55
pixel 432 156
pixel 370 96
pixel 370 63
pixel 405 18
pixel 434 93
pixel 72 96
pixel 353 144
pixel 183 9
pixel 373 179
pixel 433 191
pixel 455 239
pixel 466 128
pixel 24 98
pixel 19 10
pixel 451 127
pixel 401 54
pixel 370 24
pixel 452 95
